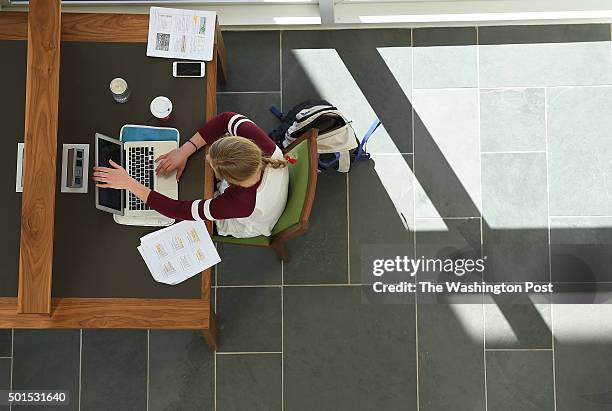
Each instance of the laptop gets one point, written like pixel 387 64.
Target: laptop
pixel 138 158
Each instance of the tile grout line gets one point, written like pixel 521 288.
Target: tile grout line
pixel 552 349
pixel 484 316
pixel 362 284
pixel 514 152
pixel 519 349
pixel 326 285
pixel 12 362
pixel 580 216
pixel 80 365
pixel 486 89
pixel 280 64
pixel 348 231
pixel 148 364
pixel 249 352
pixel 249 92
pixel 292 285
pixel 282 337
pixel 538 282
pixel 216 287
pixel 215 381
pixel 448 218
pixel 250 286
pixel 398 153
pixel 552 332
pixel 215 352
pixel 414 219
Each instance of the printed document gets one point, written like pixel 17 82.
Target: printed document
pixel 181 34
pixel 176 253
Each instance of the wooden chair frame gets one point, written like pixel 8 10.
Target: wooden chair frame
pixel 279 241
pixel 34 307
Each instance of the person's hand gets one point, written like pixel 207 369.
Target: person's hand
pixel 115 177
pixel 171 161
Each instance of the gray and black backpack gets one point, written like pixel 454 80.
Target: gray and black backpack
pixel 337 142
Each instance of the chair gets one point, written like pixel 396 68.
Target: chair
pixel 302 186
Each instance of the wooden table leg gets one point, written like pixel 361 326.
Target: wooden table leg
pixel 222 55
pixel 40 142
pixel 211 334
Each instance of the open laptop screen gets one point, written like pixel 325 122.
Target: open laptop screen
pixel 108 199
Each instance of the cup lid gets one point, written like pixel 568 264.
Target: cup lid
pixel 161 107
pixel 118 85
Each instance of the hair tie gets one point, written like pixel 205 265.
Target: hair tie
pixel 290 159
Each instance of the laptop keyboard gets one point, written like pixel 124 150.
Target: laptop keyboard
pixel 142 169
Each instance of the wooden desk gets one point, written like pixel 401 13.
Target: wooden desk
pixel 89 277
pixel 13 75
pixel 93 256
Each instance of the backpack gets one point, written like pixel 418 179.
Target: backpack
pixel 336 143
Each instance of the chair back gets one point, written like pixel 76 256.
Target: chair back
pixel 302 187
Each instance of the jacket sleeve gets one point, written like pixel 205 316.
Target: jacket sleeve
pixel 236 125
pixel 225 206
pixel 217 127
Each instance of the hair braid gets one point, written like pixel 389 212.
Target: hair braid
pixel 274 162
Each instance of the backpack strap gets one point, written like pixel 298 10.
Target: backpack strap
pixel 342 158
pixel 362 145
pixel 277 113
pixel 324 165
pixel 344 162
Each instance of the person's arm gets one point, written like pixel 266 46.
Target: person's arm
pixel 233 203
pixel 230 204
pixel 118 178
pixel 139 190
pixel 210 132
pixel 196 141
pixel 192 145
pixel 177 158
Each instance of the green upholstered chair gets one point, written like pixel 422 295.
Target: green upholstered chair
pixel 302 186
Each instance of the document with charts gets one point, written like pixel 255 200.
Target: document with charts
pixel 176 253
pixel 181 34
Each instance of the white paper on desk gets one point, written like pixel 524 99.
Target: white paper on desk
pixel 176 253
pixel 153 269
pixel 181 34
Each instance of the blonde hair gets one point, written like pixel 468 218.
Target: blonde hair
pixel 237 159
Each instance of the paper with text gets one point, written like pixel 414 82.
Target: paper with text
pixel 181 34
pixel 176 253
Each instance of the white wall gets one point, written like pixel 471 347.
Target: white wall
pixel 274 14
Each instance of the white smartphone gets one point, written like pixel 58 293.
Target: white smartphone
pixel 188 68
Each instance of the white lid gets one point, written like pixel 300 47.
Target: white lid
pixel 161 107
pixel 118 85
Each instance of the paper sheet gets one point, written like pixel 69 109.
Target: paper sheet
pixel 178 252
pixel 181 34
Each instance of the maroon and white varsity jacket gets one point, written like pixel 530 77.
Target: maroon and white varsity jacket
pixel 237 211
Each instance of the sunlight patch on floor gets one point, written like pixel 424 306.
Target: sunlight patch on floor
pixel 333 81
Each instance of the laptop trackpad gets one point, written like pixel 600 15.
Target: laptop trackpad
pixel 167 185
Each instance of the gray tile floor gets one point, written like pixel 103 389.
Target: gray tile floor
pixel 495 141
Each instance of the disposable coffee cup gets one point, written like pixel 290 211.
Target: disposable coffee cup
pixel 161 107
pixel 119 89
